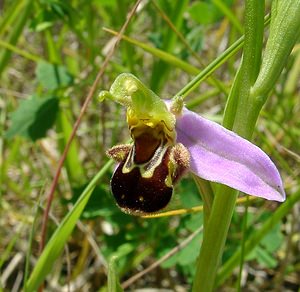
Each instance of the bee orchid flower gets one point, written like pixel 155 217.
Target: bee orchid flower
pixel 168 141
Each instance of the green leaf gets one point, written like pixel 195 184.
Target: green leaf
pixel 273 240
pixel 195 38
pixel 284 34
pixel 188 192
pixel 193 221
pixel 53 76
pixel 170 262
pixel 33 118
pixel 187 255
pixel 264 252
pixel 204 13
pixel 43 20
pixel 169 243
pixel 265 258
pixel 55 245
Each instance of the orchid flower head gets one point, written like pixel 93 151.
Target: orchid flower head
pixel 168 141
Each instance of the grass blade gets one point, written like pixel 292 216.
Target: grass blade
pixel 61 235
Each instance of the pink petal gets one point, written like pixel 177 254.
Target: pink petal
pixel 220 155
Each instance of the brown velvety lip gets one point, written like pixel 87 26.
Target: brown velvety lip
pixel 136 194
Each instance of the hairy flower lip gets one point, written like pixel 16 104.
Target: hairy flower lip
pixel 144 187
pixel 222 156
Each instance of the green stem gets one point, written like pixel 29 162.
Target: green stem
pixel 214 239
pixel 207 196
pixel 20 52
pixel 215 64
pixel 225 198
pixel 241 112
pixel 250 91
pixel 242 257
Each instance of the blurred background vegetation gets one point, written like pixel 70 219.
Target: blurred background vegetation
pixel 50 54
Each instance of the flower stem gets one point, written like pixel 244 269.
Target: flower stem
pixel 207 196
pixel 240 111
pixel 242 258
pixel 214 239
